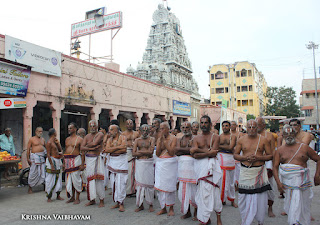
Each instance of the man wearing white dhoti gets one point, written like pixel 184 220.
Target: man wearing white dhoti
pixel 54 168
pixel 92 147
pixel 186 176
pixel 118 166
pixel 166 170
pixel 227 164
pixel 295 177
pixel 36 158
pixel 253 183
pixel 207 172
pixel 144 174
pixel 73 161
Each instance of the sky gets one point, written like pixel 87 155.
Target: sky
pixel 272 34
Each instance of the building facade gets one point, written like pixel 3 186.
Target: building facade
pixel 308 102
pixel 240 85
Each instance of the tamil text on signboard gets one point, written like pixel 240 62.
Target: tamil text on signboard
pixel 110 21
pixel 181 108
pixel 42 60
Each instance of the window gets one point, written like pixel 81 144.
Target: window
pixel 226 90
pixel 239 103
pixel 212 76
pixel 251 102
pixel 238 74
pixel 212 90
pixel 226 75
pixel 243 73
pixel 308 112
pixel 250 87
pixel 219 90
pixel 244 88
pixel 219 103
pixel 244 102
pixel 238 88
pixel 249 73
pixel 307 95
pixel 219 75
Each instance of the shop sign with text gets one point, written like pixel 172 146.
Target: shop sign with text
pixel 181 108
pixel 12 103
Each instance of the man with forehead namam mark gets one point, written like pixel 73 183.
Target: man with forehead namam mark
pixel 144 174
pixel 92 145
pixel 207 171
pixel 253 183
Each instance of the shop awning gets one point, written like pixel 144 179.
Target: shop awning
pixel 309 92
pixel 307 108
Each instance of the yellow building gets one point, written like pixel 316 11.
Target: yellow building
pixel 241 84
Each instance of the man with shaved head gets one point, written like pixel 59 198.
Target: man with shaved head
pixel 253 183
pixel 166 169
pixel 195 128
pixel 186 175
pixel 295 176
pixel 263 132
pixel 131 135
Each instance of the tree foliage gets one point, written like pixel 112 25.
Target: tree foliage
pixel 250 117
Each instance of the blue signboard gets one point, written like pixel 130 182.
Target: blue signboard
pixel 181 108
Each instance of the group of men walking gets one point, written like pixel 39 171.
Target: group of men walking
pixel 206 167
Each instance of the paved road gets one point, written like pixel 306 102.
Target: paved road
pixel 15 201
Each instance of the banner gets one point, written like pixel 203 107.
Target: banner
pixel 181 108
pixel 12 103
pixel 14 80
pixel 42 60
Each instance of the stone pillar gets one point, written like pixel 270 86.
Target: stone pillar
pixel 56 116
pixel 150 117
pixel 137 117
pixel 95 112
pixel 173 120
pixel 114 114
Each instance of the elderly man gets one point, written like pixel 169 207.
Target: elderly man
pixel 118 165
pixel 227 164
pixel 208 172
pixel 144 173
pixel 186 175
pixel 295 176
pixel 262 131
pixel 6 144
pixel 131 135
pixel 54 166
pixel 166 170
pixel 73 162
pixel 253 183
pixel 195 128
pixel 36 158
pixel 92 146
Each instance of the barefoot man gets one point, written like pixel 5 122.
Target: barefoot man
pixel 227 164
pixel 262 131
pixel 208 172
pixel 143 150
pixel 73 162
pixel 131 135
pixel 295 177
pixel 166 170
pixel 54 166
pixel 118 165
pixel 186 176
pixel 82 133
pixel 253 183
pixel 92 146
pixel 36 159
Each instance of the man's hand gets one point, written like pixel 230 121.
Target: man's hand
pixel 317 180
pixel 56 141
pixel 281 188
pixel 81 167
pixel 252 158
pixel 212 153
pixel 29 162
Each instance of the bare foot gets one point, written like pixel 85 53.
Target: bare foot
pixel 101 204
pixel 93 202
pixel 270 213
pixel 115 206
pixel 59 198
pixel 139 209
pixel 188 215
pixel 121 208
pixel 162 211
pixel 30 190
pixel 76 202
pixel 234 204
pixel 171 212
pixel 151 208
pixel 283 214
pixel 49 200
pixel 70 200
pixel 194 218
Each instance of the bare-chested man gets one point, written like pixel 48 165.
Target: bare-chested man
pixel 73 162
pixel 54 166
pixel 186 176
pixel 295 176
pixel 195 128
pixel 82 133
pixel 227 164
pixel 144 173
pixel 263 132
pixel 166 170
pixel 92 146
pixel 208 172
pixel 253 183
pixel 36 159
pixel 131 135
pixel 118 165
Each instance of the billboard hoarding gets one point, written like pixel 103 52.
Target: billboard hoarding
pixel 181 108
pixel 42 60
pixel 12 103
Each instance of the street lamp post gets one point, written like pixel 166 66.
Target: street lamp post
pixel 313 46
